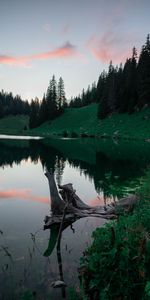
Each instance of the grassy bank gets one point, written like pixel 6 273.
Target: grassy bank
pixel 83 121
pixel 117 264
pixel 14 125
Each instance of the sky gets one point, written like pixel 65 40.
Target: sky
pixel 74 39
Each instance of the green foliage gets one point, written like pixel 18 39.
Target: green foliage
pixel 84 120
pixel 13 124
pixel 10 105
pixel 117 265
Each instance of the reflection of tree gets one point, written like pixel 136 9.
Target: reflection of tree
pixel 55 241
pixel 59 167
pixel 92 161
pixel 15 151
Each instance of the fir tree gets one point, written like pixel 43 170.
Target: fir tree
pixel 34 114
pixel 61 94
pixel 51 99
pixel 144 74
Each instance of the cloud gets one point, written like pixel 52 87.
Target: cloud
pixel 108 47
pixel 65 51
pixel 12 60
pixel 23 194
pixel 112 44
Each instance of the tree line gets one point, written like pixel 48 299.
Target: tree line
pixel 122 89
pixel 51 106
pixel 12 105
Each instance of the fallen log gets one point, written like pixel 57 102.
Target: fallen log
pixel 67 200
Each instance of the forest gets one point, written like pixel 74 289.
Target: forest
pixel 122 89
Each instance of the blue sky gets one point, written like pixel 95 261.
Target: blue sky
pixel 69 38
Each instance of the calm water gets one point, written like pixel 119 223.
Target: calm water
pixel 100 171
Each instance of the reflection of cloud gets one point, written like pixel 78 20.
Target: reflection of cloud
pixel 97 201
pixel 100 201
pixel 65 51
pixel 23 194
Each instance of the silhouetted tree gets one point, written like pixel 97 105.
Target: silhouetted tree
pixel 34 114
pixel 61 95
pixel 51 99
pixel 144 74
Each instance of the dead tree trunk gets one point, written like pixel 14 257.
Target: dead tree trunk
pixel 76 208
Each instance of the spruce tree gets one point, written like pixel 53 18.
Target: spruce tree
pixel 51 99
pixel 61 95
pixel 144 74
pixel 43 113
pixel 34 114
pixel 128 94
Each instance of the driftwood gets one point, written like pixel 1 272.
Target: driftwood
pixel 67 207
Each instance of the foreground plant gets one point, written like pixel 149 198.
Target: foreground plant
pixel 117 265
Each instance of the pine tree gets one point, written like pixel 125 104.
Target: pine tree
pixel 61 95
pixel 108 99
pixel 43 113
pixel 34 114
pixel 144 74
pixel 128 94
pixel 51 99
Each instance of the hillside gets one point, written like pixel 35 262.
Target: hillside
pixel 13 124
pixel 84 121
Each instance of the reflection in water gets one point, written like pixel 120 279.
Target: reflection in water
pixel 112 167
pixel 23 194
pixel 30 262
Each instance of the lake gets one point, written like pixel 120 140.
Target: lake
pixel 101 171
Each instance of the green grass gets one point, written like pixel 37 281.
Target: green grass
pixel 74 120
pixel 84 121
pixel 13 125
pixel 117 264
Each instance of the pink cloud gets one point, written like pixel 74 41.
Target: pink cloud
pixel 12 60
pixel 100 201
pixel 65 51
pixel 108 47
pixel 23 194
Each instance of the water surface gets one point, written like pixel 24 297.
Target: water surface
pixel 99 170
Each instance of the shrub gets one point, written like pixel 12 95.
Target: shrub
pixel 117 264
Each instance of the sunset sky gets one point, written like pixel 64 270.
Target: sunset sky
pixel 75 39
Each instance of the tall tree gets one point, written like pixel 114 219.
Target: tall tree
pixel 43 113
pixel 51 99
pixel 128 95
pixel 61 94
pixel 108 98
pixel 34 113
pixel 144 74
